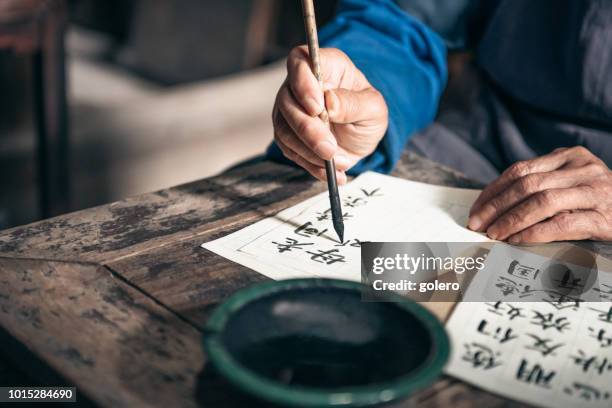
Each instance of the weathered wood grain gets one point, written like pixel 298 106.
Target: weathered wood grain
pixel 187 278
pixel 114 343
pixel 152 220
pixel 450 392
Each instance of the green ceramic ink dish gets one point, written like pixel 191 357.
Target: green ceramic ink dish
pixel 316 343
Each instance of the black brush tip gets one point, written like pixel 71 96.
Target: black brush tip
pixel 339 227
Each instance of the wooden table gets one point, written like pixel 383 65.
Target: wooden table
pixel 113 299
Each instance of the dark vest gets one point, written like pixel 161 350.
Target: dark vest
pixel 551 60
pixel 555 55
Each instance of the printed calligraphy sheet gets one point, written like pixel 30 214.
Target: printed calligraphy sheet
pixel 301 242
pixel 542 333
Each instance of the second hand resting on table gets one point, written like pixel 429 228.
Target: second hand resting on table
pixel 564 195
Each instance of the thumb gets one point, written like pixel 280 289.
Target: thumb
pixel 346 106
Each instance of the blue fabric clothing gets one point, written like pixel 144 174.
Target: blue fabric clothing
pixel 402 58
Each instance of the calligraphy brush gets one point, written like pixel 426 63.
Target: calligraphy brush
pixel 330 168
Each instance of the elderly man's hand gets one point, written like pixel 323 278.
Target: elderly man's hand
pixel 564 195
pixel 357 113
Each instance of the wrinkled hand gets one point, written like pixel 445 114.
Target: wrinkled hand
pixel 357 113
pixel 564 195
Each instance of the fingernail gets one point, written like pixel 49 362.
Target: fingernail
pixel 331 102
pixel 342 161
pixel 475 223
pixel 492 232
pixel 515 239
pixel 325 149
pixel 314 107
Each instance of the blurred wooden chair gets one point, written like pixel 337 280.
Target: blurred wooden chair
pixel 36 28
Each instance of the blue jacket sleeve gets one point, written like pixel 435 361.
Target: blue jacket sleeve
pixel 402 58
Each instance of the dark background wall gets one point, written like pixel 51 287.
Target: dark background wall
pixel 180 41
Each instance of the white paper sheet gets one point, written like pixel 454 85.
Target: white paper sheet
pixel 544 346
pixel 301 242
